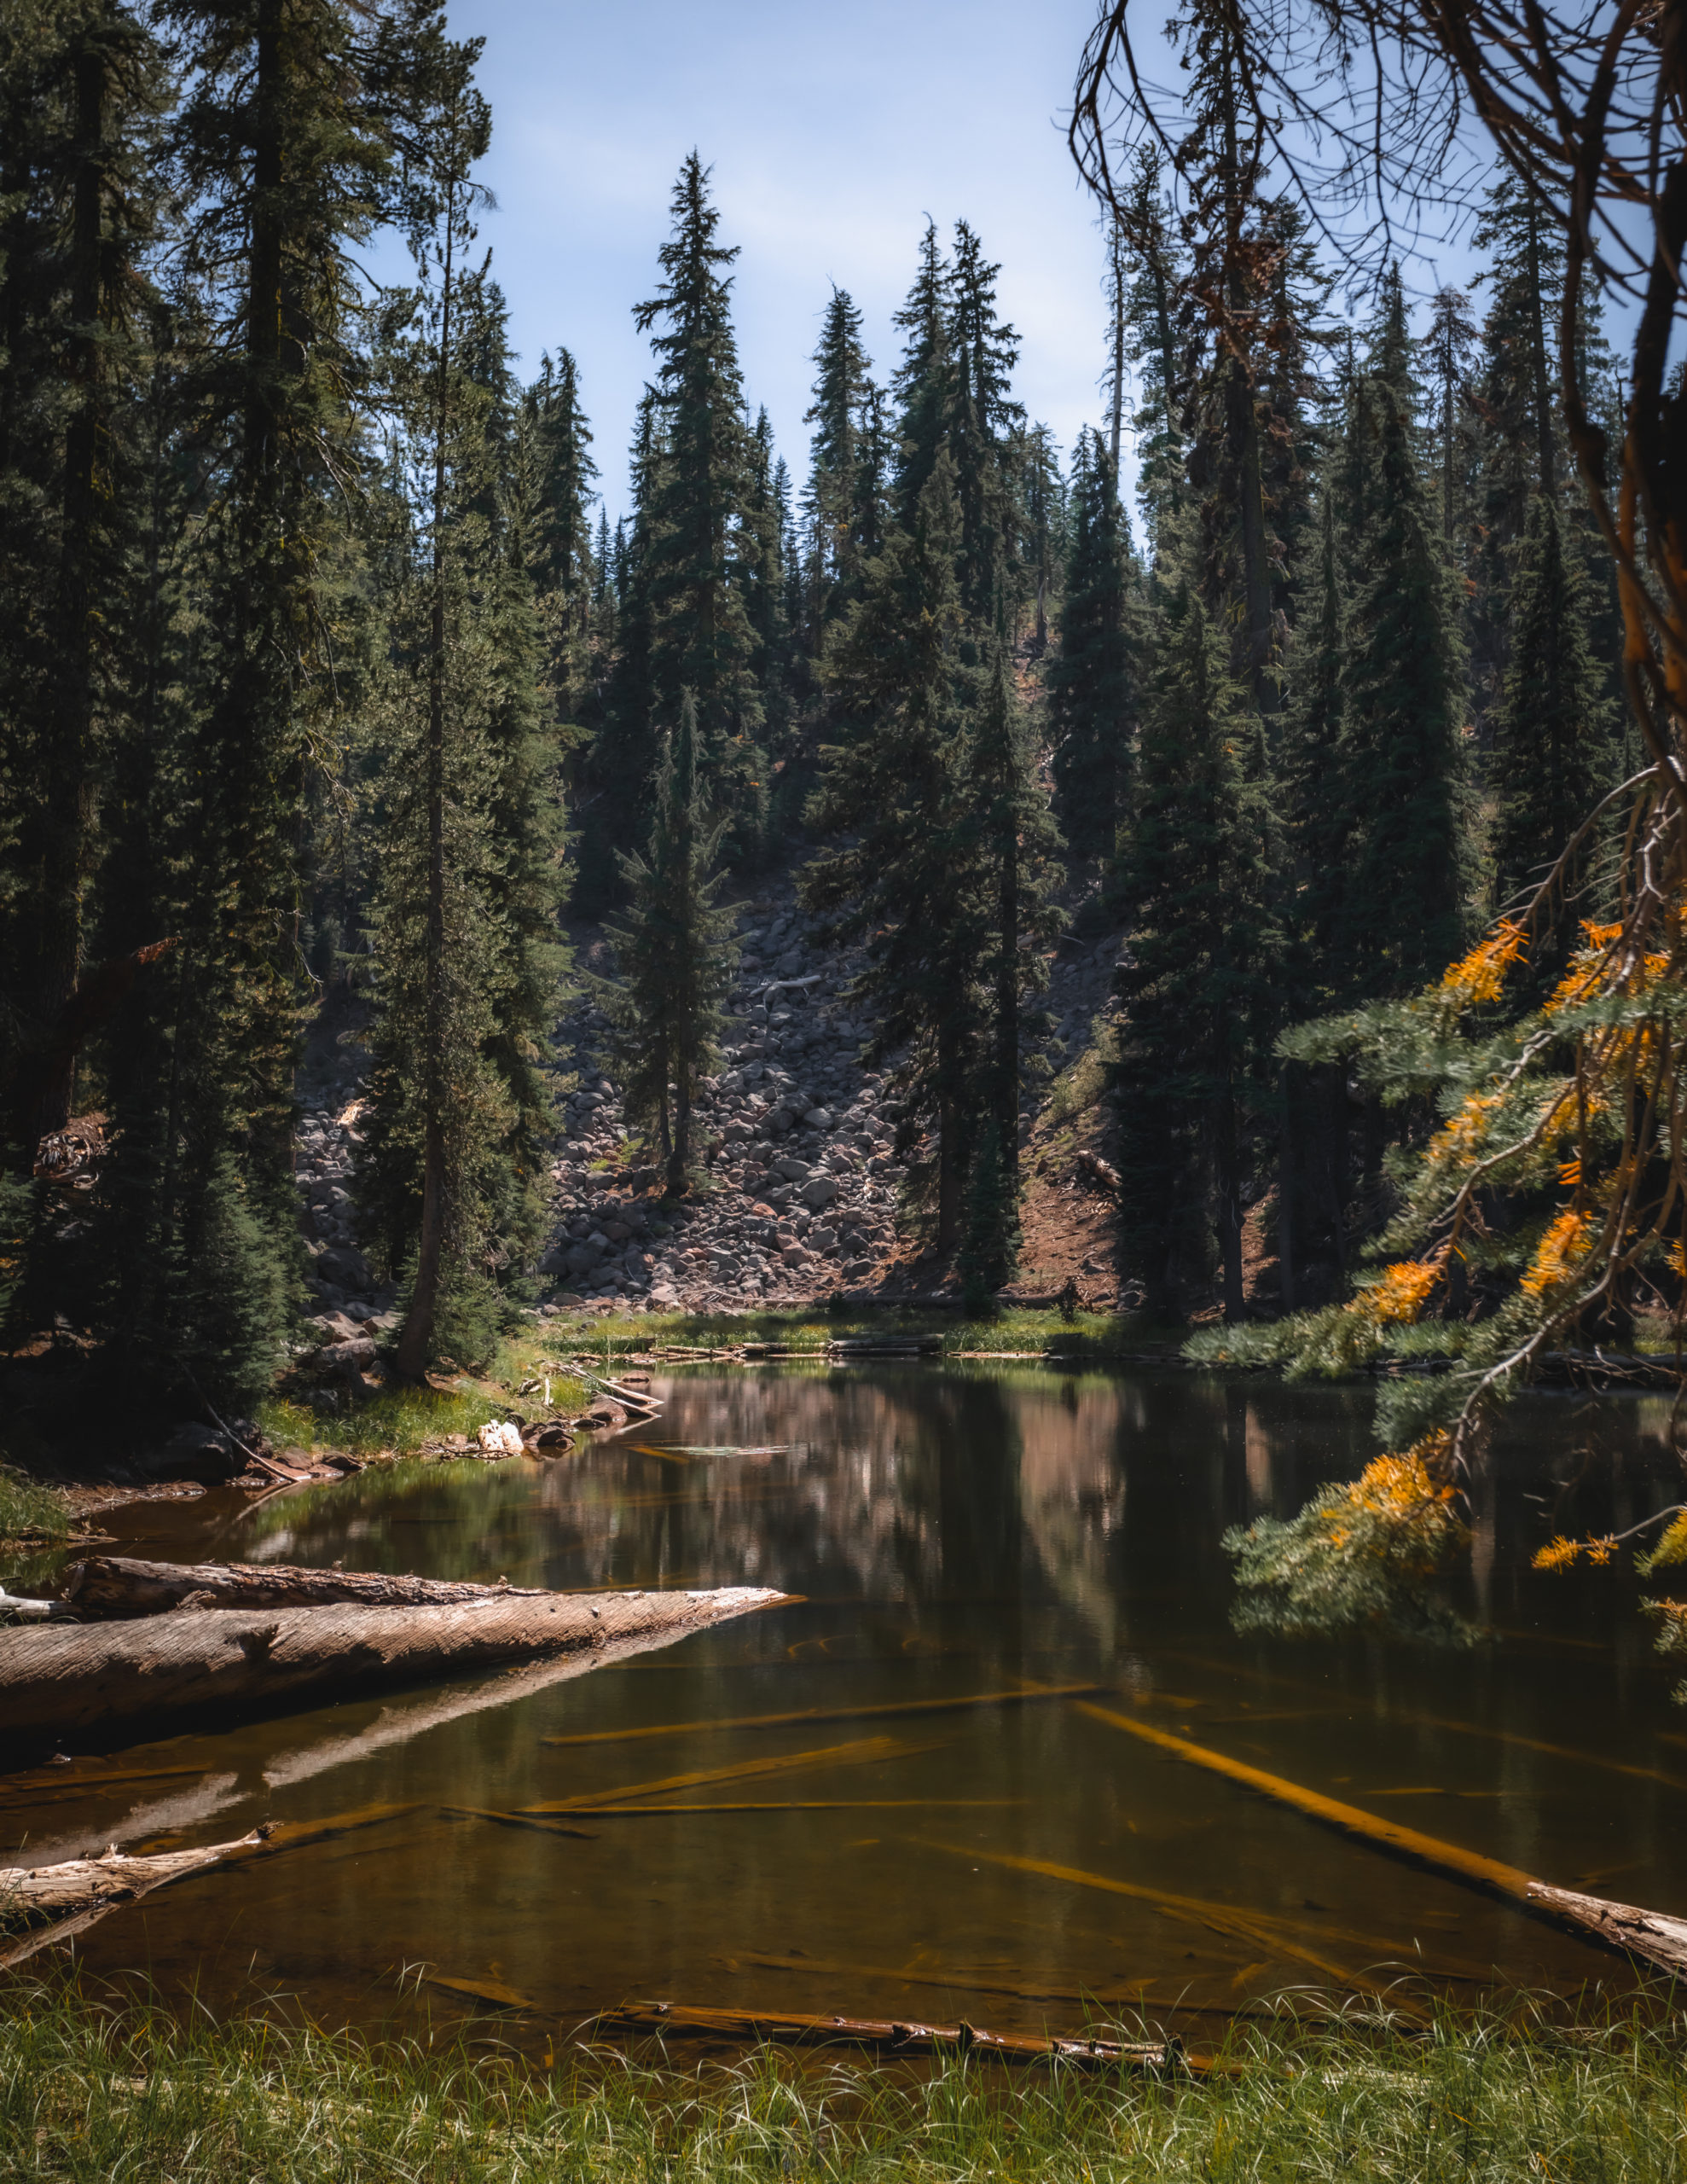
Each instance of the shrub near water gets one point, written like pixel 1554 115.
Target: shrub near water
pixel 89 2093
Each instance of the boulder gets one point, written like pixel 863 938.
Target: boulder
pixel 347 1267
pixel 790 1170
pixel 199 1453
pixel 818 1191
pixel 817 1118
pixel 348 1360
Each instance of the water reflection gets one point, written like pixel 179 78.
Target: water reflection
pixel 954 1532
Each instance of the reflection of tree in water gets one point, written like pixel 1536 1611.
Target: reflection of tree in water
pixel 1409 1549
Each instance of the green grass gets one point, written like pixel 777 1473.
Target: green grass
pixel 29 1511
pixel 398 1420
pixel 92 2092
pixel 809 1327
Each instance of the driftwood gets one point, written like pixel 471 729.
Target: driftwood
pixel 907 2036
pixel 112 1584
pixel 75 1895
pixel 827 1714
pixel 1658 1940
pixel 864 1751
pixel 54 1903
pixel 1255 1930
pixel 56 1680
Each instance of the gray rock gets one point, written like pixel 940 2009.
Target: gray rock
pixel 817 1118
pixel 347 1267
pixel 790 1170
pixel 346 1359
pixel 818 1191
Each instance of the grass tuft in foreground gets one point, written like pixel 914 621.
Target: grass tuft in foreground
pixel 29 1511
pixel 92 2092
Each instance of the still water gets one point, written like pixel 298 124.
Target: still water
pixel 955 1533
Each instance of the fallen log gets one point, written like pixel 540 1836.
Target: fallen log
pixel 1016 1698
pixel 863 1751
pixel 1651 1935
pixel 117 1584
pixel 54 1903
pixel 905 2034
pixel 54 1680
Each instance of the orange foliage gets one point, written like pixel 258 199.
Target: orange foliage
pixel 1559 1254
pixel 1398 1294
pixel 1481 974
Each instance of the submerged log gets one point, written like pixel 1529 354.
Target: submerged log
pixel 1650 1935
pixel 51 1903
pixel 117 1584
pixel 905 2034
pixel 55 1680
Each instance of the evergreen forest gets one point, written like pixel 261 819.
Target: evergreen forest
pixel 324 671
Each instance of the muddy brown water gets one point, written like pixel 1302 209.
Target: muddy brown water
pixel 955 1532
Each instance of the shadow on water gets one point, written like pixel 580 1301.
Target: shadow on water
pixel 929 1830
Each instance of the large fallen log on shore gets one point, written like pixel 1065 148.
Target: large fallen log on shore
pixel 119 1584
pixel 55 1681
pixel 1651 1935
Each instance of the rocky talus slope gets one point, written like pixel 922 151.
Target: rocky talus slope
pixel 796 1144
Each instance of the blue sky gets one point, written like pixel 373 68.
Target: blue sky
pixel 833 131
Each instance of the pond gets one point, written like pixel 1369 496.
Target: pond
pixel 1028 1541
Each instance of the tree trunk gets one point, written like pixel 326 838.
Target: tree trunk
pixel 121 1585
pixel 55 1680
pixel 1230 1206
pixel 416 1338
pixel 949 1177
pixel 1008 1010
pixel 67 791
pixel 1292 1084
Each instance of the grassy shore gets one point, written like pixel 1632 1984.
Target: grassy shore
pixel 94 2092
pixel 811 1327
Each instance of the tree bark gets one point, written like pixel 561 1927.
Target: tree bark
pixel 416 1338
pixel 56 1680
pixel 121 1585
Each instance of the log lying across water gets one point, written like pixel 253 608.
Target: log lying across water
pixel 55 1681
pixel 52 1903
pixel 904 2034
pixel 119 1584
pixel 1651 1935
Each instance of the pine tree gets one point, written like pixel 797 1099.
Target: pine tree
pixel 1034 462
pixel 1154 304
pixel 697 543
pixel 899 879
pixel 1553 737
pixel 980 422
pixel 1451 337
pixel 560 559
pixel 1519 448
pixel 81 89
pixel 1088 676
pixel 766 525
pixel 468 880
pixel 675 956
pixel 843 389
pixel 1013 846
pixel 1403 769
pixel 924 382
pixel 282 148
pixel 1196 874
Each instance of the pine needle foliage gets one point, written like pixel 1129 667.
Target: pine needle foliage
pixel 675 958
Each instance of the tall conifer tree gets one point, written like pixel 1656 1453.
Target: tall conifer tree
pixel 697 547
pixel 1088 676
pixel 675 956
